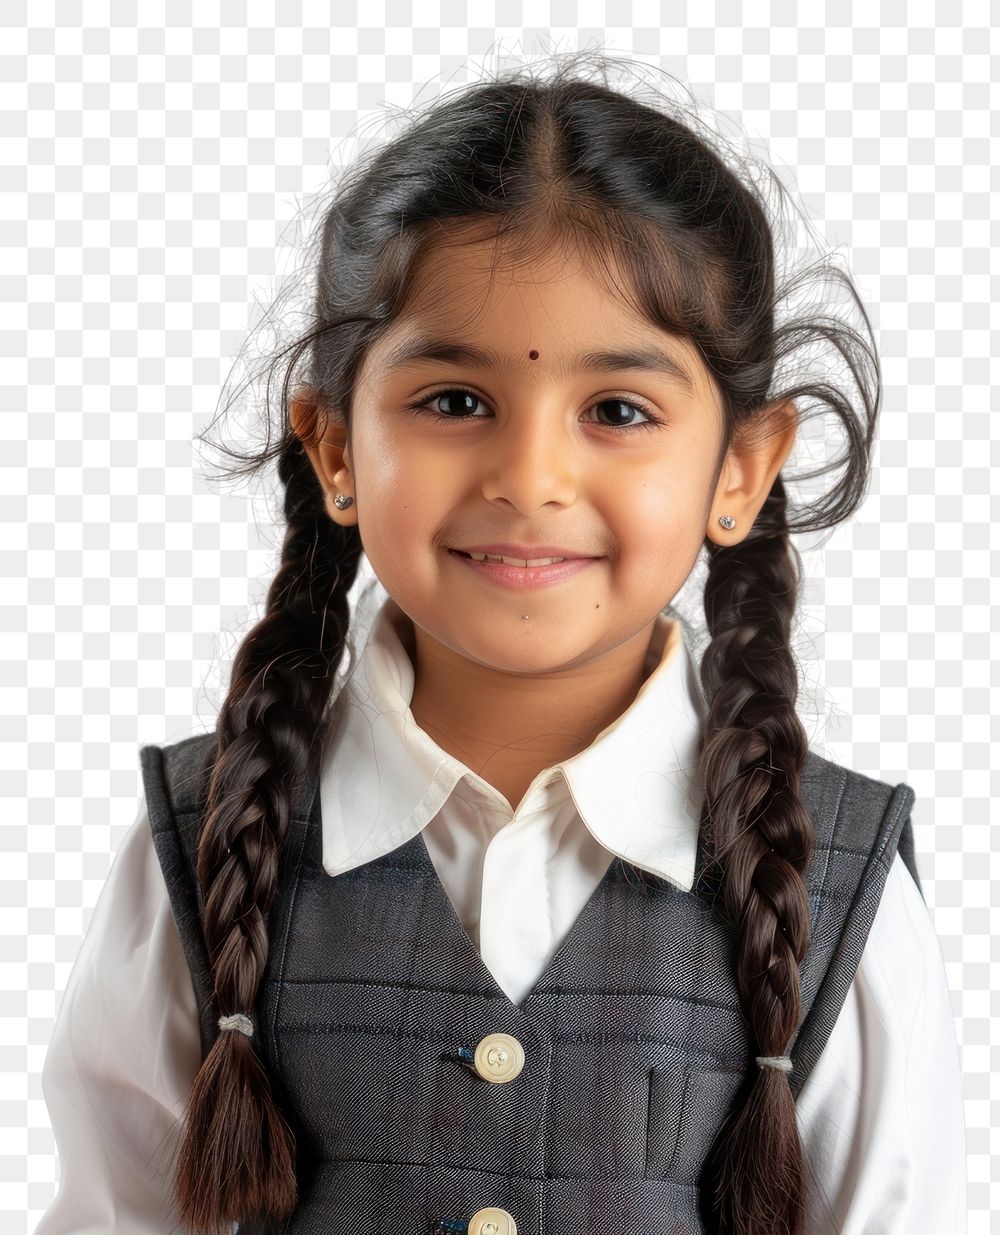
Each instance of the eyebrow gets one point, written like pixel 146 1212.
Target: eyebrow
pixel 647 357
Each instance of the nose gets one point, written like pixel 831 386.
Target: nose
pixel 531 461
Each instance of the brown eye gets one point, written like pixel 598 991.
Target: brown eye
pixel 459 403
pixel 623 406
pixel 458 399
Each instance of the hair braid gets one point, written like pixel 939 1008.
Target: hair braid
pixel 759 840
pixel 237 1158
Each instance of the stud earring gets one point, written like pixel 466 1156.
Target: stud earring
pixel 342 501
pixel 727 521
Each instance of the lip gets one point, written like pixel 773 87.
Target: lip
pixel 526 551
pixel 524 578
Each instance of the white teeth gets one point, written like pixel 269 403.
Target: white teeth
pixel 515 561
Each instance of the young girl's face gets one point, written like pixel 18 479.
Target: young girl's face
pixel 532 444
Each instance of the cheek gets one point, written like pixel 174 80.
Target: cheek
pixel 659 520
pixel 385 479
pixel 390 459
pixel 397 511
pixel 663 504
pixel 376 456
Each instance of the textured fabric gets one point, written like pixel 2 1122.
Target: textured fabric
pixel 883 1100
pixel 633 1034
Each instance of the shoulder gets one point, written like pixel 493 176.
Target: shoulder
pixel 904 959
pixel 175 782
pixel 885 1097
pixel 175 779
pixel 846 785
pixel 857 822
pixel 176 774
pixel 856 814
pixel 902 994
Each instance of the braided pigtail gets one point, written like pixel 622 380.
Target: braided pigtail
pixel 237 1157
pixel 760 839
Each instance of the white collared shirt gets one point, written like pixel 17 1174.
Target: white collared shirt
pixel 882 1104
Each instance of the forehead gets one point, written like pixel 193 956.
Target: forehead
pixel 486 304
pixel 465 279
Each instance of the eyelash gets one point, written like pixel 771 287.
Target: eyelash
pixel 420 408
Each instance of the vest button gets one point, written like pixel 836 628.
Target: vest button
pixel 492 1221
pixel 498 1057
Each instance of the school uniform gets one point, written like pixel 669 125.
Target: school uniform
pixel 521 1017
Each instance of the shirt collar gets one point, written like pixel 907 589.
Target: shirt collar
pixel 636 786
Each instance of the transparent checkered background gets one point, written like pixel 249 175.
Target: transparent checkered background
pixel 152 180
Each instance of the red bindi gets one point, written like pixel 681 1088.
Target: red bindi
pixel 532 355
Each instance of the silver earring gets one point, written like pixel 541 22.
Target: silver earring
pixel 342 501
pixel 727 521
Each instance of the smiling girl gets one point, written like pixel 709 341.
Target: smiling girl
pixel 530 923
pixel 571 428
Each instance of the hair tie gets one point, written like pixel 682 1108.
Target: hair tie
pixel 784 1062
pixel 237 1021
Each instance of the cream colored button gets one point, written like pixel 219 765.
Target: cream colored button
pixel 499 1057
pixel 492 1220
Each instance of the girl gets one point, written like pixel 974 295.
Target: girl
pixel 495 911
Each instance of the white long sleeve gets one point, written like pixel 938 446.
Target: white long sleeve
pixel 881 1114
pixel 123 1056
pixel 882 1105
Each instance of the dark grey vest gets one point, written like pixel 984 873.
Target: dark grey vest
pixel 374 998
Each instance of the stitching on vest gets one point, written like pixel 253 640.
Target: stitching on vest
pixel 697 1060
pixel 851 853
pixel 306 815
pixel 181 756
pixel 153 760
pixel 892 810
pixel 805 1024
pixel 290 902
pixel 196 814
pixel 901 794
pixel 553 989
pixel 356 1160
pixel 841 790
pixel 540 1203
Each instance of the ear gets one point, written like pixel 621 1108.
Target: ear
pixel 753 460
pixel 323 434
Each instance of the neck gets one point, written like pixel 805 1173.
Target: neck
pixel 507 728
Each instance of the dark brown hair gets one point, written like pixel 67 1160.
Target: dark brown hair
pixel 540 157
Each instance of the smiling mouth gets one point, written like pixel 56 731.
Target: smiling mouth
pixel 499 558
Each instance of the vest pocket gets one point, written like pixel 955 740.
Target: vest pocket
pixel 687 1106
